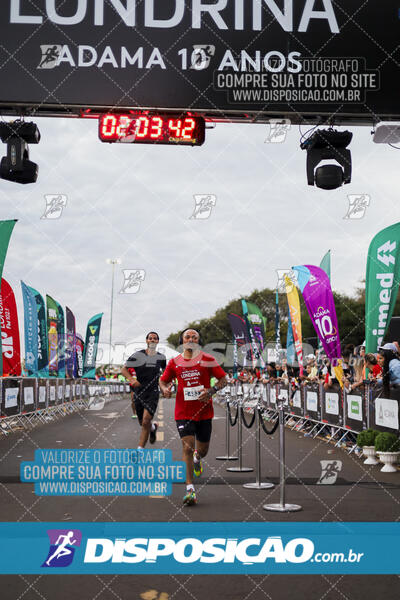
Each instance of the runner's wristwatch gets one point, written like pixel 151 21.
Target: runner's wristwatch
pixel 212 391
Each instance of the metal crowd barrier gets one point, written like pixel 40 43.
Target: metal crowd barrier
pixel 335 414
pixel 26 402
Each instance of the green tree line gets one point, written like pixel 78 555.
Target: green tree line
pixel 350 311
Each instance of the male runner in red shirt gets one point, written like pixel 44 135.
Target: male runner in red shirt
pixel 193 406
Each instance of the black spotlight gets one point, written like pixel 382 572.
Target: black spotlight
pixel 16 166
pixel 327 144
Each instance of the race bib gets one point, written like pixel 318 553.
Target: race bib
pixel 192 393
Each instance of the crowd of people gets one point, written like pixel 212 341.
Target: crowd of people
pixel 381 369
pixel 195 377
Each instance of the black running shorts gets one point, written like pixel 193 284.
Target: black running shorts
pixel 148 402
pixel 201 430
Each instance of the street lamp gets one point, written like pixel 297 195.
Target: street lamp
pixel 113 262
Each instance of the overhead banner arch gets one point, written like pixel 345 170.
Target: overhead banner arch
pixel 224 59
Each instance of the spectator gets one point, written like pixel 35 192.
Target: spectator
pixel 389 361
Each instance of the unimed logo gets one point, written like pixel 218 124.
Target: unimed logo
pixel 190 550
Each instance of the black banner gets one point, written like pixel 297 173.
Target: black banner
pixel 10 397
pixel 296 402
pixel 228 57
pixel 42 394
pixel 332 406
pixel 312 402
pixel 52 391
pixel 385 412
pixel 28 392
pixel 355 410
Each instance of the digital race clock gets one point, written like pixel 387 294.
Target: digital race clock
pixel 141 128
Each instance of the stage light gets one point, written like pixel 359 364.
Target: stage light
pixel 16 166
pixel 327 144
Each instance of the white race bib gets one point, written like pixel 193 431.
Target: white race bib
pixel 192 393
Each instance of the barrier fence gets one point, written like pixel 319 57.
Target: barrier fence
pixel 27 402
pixel 314 410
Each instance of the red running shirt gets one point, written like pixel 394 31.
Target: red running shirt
pixel 192 375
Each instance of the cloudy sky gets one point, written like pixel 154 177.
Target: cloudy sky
pixel 134 202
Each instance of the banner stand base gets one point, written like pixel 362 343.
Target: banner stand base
pixel 282 507
pixel 258 486
pixel 240 469
pixel 226 458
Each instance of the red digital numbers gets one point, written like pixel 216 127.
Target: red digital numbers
pixel 142 128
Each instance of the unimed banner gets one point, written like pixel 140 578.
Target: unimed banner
pixel 381 284
pixel 329 57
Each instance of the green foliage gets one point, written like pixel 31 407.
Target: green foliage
pixel 387 442
pixel 367 438
pixel 350 312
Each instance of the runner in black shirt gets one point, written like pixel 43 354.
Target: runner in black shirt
pixel 148 365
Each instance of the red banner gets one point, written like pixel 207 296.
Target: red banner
pixel 9 331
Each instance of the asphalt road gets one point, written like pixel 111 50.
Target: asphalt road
pixel 360 494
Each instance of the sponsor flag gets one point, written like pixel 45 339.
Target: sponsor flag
pixel 254 344
pixel 240 338
pixel 318 297
pixel 277 327
pixel 325 264
pixel 70 343
pixel 61 341
pixel 78 363
pixel 9 331
pixel 295 318
pixel 42 347
pixel 381 284
pixel 6 229
pixel 52 332
pixel 30 331
pixel 290 347
pixel 257 323
pixel 91 344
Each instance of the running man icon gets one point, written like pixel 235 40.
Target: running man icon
pixel 62 550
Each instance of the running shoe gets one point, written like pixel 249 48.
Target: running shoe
pixel 153 432
pixel 190 498
pixel 134 416
pixel 197 466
